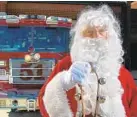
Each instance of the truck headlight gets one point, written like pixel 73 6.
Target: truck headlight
pixel 28 58
pixel 37 56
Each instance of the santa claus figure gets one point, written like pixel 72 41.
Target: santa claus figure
pixel 92 81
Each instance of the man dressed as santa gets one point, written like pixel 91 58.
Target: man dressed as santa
pixel 92 81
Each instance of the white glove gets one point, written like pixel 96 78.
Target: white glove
pixel 76 74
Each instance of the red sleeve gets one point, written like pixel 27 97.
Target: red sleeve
pixel 133 94
pixel 131 90
pixel 62 65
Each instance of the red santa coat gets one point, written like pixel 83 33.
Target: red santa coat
pixel 129 97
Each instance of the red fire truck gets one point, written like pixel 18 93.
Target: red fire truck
pixel 30 46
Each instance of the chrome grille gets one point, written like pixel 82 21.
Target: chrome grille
pixel 2 72
pixel 24 73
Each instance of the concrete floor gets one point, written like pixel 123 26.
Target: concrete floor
pixel 7 113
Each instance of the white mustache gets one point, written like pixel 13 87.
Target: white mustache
pixel 96 43
pixel 93 49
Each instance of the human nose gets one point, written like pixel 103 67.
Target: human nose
pixel 96 33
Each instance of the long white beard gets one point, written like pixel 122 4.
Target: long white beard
pixel 102 53
pixel 106 56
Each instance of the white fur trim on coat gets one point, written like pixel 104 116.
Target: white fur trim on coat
pixel 55 98
pixel 56 102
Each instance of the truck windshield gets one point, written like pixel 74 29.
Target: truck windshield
pixel 43 39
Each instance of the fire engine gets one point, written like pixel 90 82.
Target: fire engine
pixel 30 46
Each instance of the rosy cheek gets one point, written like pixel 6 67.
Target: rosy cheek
pixel 103 35
pixel 100 36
